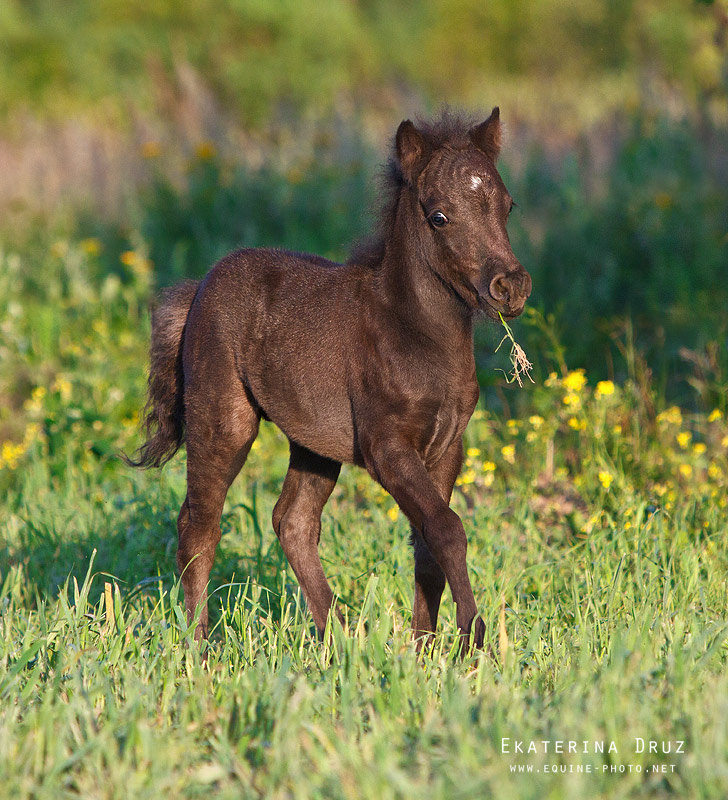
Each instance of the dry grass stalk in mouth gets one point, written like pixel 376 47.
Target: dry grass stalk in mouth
pixel 519 360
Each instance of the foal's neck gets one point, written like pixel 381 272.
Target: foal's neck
pixel 415 290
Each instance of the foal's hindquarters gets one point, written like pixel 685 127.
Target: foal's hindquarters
pixel 234 350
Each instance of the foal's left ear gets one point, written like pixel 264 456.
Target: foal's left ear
pixel 487 135
pixel 412 150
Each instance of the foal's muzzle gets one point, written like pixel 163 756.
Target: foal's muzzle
pixel 509 291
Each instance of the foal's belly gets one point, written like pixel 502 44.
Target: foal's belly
pixel 330 435
pixel 312 413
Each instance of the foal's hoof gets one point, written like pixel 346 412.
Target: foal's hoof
pixel 477 628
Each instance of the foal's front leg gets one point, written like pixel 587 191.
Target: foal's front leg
pixel 398 467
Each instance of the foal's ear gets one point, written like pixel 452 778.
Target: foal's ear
pixel 412 150
pixel 487 135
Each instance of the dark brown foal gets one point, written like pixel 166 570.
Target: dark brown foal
pixel 369 362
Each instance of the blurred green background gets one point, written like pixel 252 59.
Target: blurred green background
pixel 180 130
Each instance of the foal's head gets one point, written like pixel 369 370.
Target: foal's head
pixel 459 208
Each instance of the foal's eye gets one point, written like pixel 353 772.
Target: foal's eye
pixel 438 219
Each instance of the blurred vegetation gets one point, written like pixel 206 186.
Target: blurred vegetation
pixel 104 59
pixel 319 206
pixel 646 251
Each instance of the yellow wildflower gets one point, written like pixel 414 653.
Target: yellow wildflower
pixel 512 425
pixel 10 453
pixel 473 452
pixel 135 261
pixel 605 478
pixel 683 439
pixel 133 420
pixel 466 478
pixel 577 424
pixel 617 429
pixel 33 431
pixel 575 381
pixel 206 151
pixel 724 441
pixel 63 386
pixel 508 452
pixel 699 448
pixel 571 399
pixel 686 470
pixel 715 414
pixel 605 388
pixel 488 466
pixel 393 513
pixel 671 416
pixel 591 522
pixel 536 421
pixel 714 471
pixel 35 401
pixel 92 247
pixel 151 149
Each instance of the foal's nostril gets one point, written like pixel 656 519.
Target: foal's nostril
pixel 500 289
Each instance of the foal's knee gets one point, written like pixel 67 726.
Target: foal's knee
pixel 427 569
pixel 445 535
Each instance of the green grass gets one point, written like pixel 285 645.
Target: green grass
pixel 600 523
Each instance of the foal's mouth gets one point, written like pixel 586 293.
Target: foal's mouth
pixel 495 310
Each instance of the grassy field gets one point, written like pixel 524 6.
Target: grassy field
pixel 597 523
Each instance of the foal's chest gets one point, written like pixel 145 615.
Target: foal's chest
pixel 449 421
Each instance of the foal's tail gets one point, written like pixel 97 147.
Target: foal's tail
pixel 164 411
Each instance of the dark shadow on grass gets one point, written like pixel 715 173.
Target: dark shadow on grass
pixel 136 545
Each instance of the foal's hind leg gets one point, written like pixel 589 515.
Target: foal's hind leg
pixel 429 577
pixel 220 428
pixel 297 522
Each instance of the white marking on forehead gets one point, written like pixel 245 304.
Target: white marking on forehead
pixel 475 182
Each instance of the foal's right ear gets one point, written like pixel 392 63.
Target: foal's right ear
pixel 412 150
pixel 487 135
